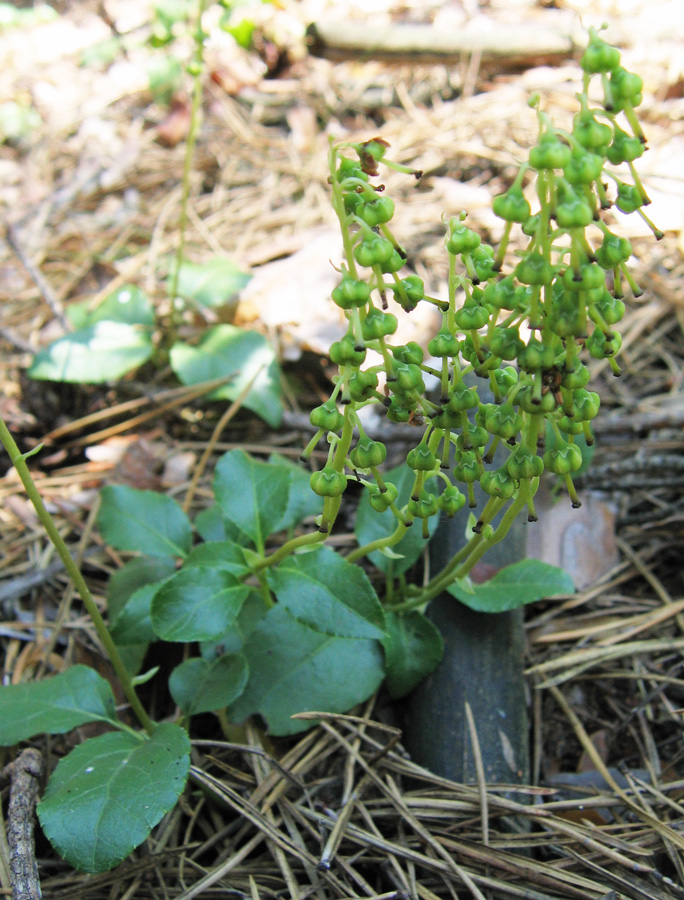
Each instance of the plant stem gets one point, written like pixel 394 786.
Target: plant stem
pixel 19 462
pixel 198 58
pixel 302 540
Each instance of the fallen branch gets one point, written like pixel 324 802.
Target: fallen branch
pixel 24 774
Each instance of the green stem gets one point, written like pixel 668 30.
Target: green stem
pixel 379 543
pixel 19 462
pixel 198 58
pixel 289 547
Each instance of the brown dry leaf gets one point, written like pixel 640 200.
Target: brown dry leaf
pixel 176 125
pixel 581 541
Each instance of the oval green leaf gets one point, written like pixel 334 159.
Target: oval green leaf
pixel 143 521
pixel 329 594
pixel 104 798
pixel 197 604
pixel 100 352
pixel 294 668
pixel 253 495
pixel 413 649
pixel 226 350
pixel 55 705
pixel 198 685
pixel 515 586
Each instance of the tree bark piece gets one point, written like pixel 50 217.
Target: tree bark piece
pixel 24 773
pixel 531 41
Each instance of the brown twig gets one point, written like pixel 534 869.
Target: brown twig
pixel 24 774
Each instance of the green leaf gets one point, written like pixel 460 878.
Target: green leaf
pixel 413 650
pixel 225 556
pixel 518 584
pixel 198 685
pixel 197 604
pixel 214 283
pixel 101 352
pixel 372 525
pixel 104 798
pixel 143 521
pixel 211 525
pixel 253 495
pixel 235 637
pixel 133 575
pixel 164 75
pixel 134 623
pixel 325 592
pixel 55 705
pixel 127 304
pixel 226 350
pixel 301 502
pixel 294 669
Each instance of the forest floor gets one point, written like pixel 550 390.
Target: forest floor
pixel 90 189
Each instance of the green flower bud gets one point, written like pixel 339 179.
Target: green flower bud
pixel 611 309
pixel 584 167
pixel 624 148
pixel 467 469
pixel 563 458
pixel 349 168
pixel 506 343
pixel 327 416
pixel 585 404
pixel 373 250
pixel 498 484
pixel 625 86
pixel 511 206
pixel 444 344
pixel 534 269
pixel 523 463
pixel 328 482
pixel 537 356
pixel 600 347
pixel 462 399
pixel 421 459
pixel 575 378
pixel 477 437
pixel 599 56
pixel 503 421
pixel 344 353
pixel 528 403
pixel 378 324
pixel 483 261
pixel 414 289
pixel 451 500
pixel 574 211
pixel 397 414
pixel 362 385
pixel 613 251
pixel 590 277
pixel 569 426
pixel 505 378
pixel 393 264
pixel 461 239
pixel 628 198
pixel 351 293
pixel 592 135
pixel 368 453
pixel 425 506
pixel 382 500
pixel 549 153
pixel 411 353
pixel 472 317
pixel 408 377
pixel 377 212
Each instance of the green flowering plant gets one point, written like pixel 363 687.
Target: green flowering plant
pixel 283 624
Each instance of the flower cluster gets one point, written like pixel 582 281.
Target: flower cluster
pixel 527 332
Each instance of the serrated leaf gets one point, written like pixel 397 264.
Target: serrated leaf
pixel 301 502
pixel 104 798
pixel 213 283
pixel 372 525
pixel 296 669
pixel 516 585
pixel 198 685
pixel 197 604
pixel 55 705
pixel 413 649
pixel 226 350
pixel 143 521
pixel 224 556
pixel 252 494
pixel 329 594
pixel 101 352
